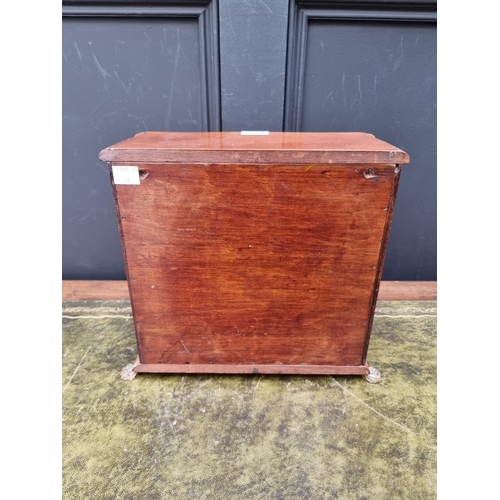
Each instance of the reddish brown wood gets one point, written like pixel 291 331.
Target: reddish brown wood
pixel 118 290
pixel 381 259
pixel 232 147
pixel 254 369
pixel 247 264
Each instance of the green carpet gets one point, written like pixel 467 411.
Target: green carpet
pixel 248 437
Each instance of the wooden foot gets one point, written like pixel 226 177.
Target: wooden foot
pixel 128 372
pixel 374 376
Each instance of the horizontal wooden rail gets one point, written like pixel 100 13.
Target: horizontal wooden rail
pixel 118 290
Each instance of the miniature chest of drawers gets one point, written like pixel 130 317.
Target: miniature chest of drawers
pixel 254 253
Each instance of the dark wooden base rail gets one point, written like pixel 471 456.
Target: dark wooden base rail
pixel 254 369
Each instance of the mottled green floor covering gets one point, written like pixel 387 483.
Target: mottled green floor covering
pixel 248 437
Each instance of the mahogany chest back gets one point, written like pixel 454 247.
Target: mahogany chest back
pixel 254 253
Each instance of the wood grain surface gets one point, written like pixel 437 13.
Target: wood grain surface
pixel 247 251
pixel 254 264
pixel 277 148
pixel 269 369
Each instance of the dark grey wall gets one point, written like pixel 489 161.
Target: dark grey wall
pixel 374 70
pixel 300 65
pixel 253 56
pixel 126 69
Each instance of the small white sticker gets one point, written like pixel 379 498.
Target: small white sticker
pixel 126 175
pixel 255 132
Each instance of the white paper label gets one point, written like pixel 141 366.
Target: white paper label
pixel 126 175
pixel 255 132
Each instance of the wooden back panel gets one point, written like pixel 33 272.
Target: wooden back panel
pixel 244 264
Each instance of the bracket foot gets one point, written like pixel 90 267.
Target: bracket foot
pixel 128 372
pixel 374 376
